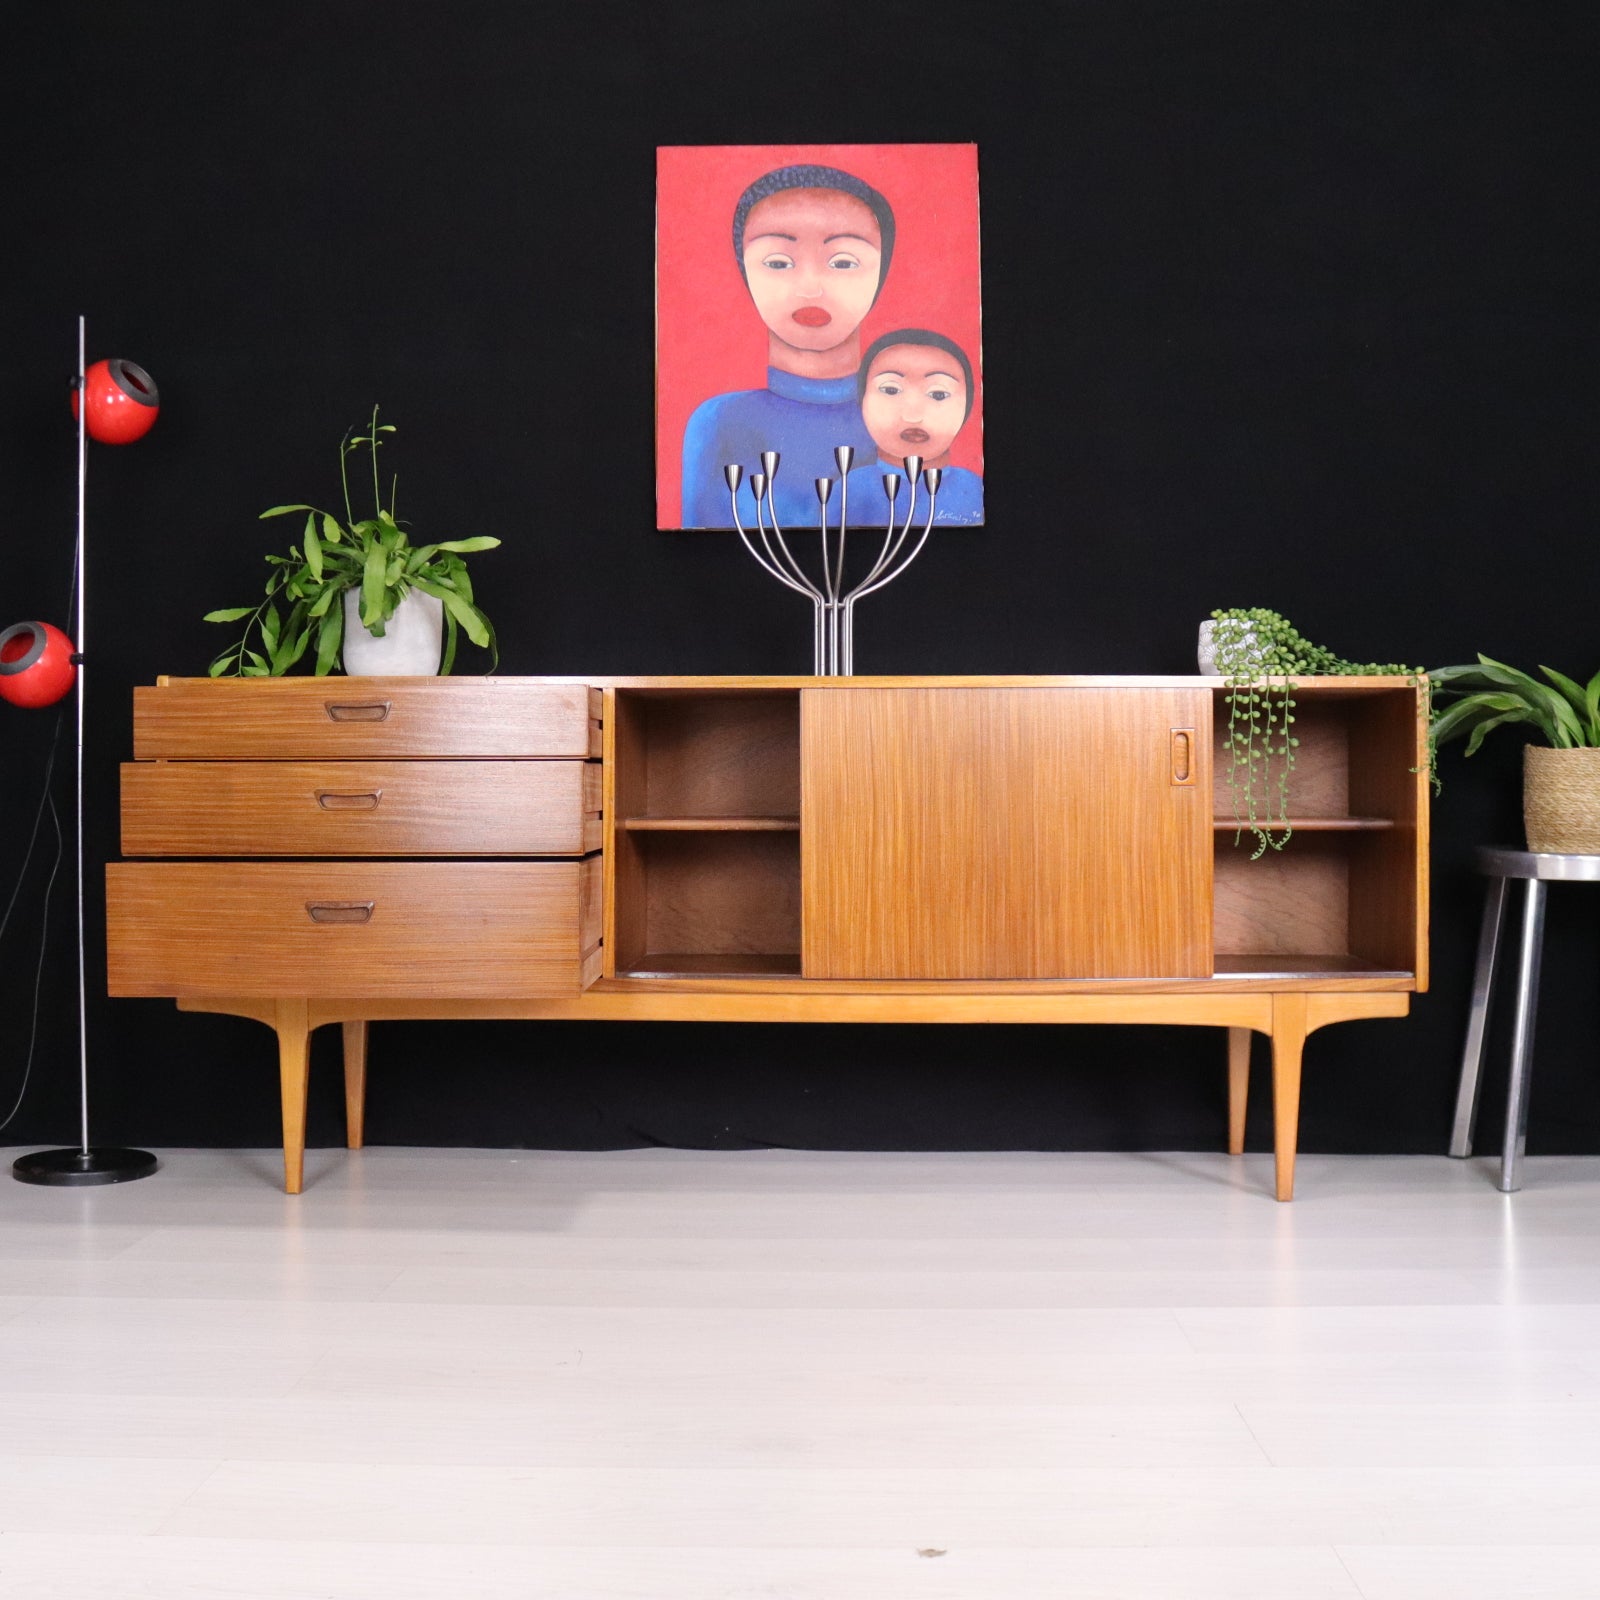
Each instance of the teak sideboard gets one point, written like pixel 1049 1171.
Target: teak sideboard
pixel 955 849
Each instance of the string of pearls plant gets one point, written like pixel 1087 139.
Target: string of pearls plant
pixel 1260 654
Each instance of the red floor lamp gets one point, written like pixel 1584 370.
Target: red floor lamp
pixel 115 403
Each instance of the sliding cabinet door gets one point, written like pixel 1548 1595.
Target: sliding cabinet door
pixel 1006 833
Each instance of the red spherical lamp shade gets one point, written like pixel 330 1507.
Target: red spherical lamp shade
pixel 36 665
pixel 121 402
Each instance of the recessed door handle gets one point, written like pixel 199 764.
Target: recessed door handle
pixel 1183 755
pixel 358 711
pixel 340 910
pixel 347 800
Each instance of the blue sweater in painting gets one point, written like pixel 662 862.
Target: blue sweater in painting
pixel 960 498
pixel 801 418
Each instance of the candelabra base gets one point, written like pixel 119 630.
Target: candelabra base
pixel 80 1168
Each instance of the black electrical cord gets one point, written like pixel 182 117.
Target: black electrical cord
pixel 46 801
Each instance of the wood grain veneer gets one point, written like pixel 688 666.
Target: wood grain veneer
pixel 1299 824
pixel 722 893
pixel 1389 873
pixel 1238 1087
pixel 287 719
pixel 1291 1021
pixel 1235 975
pixel 360 808
pixel 1320 783
pixel 702 782
pixel 1322 689
pixel 710 824
pixel 626 795
pixel 1193 1005
pixel 1352 883
pixel 1287 903
pixel 681 964
pixel 717 754
pixel 452 929
pixel 1004 833
pixel 969 850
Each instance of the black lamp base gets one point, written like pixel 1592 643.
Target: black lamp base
pixel 79 1168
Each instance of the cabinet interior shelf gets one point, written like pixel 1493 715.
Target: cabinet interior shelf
pixel 787 965
pixel 1310 824
pixel 711 824
pixel 1275 964
pixel 744 965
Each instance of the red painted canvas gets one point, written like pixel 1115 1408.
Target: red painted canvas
pixel 809 296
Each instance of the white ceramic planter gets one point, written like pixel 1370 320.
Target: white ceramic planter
pixel 412 642
pixel 1206 654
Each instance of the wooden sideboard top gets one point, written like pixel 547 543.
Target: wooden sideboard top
pixel 969 680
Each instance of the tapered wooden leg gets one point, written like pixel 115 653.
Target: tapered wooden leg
pixel 1238 1087
pixel 294 1075
pixel 1288 1045
pixel 355 1083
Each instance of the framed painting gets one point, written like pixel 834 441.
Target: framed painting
pixel 811 296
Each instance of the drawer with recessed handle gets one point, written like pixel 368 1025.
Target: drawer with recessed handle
pixel 353 930
pixel 299 719
pixel 360 808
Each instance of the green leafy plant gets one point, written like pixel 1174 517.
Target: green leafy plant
pixel 304 595
pixel 1260 654
pixel 1480 698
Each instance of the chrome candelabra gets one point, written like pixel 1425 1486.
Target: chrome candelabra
pixel 833 637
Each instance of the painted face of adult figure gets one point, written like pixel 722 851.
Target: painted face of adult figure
pixel 813 259
pixel 914 402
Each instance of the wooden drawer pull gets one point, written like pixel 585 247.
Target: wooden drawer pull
pixel 1183 755
pixel 343 800
pixel 359 711
pixel 340 910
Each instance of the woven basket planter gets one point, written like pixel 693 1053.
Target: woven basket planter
pixel 1561 800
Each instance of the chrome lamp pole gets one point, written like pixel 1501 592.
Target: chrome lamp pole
pixel 86 1164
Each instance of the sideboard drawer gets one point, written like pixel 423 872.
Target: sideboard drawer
pixel 290 719
pixel 350 930
pixel 360 808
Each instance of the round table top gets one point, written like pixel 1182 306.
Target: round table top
pixel 1497 863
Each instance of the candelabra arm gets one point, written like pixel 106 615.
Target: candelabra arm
pixel 844 456
pixel 916 550
pixel 844 524
pixel 830 590
pixel 830 607
pixel 788 556
pixel 894 538
pixel 765 562
pixel 805 586
pixel 883 554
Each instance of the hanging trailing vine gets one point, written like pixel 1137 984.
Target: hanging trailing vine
pixel 1259 653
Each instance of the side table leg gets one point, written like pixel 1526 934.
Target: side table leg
pixel 294 1076
pixel 355 1084
pixel 1532 947
pixel 1494 916
pixel 1288 1046
pixel 1238 1087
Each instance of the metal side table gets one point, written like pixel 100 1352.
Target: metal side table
pixel 1534 871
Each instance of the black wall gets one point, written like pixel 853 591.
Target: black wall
pixel 1285 305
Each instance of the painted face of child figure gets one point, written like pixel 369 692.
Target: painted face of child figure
pixel 813 259
pixel 914 403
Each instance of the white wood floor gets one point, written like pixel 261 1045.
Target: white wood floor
pixel 661 1375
